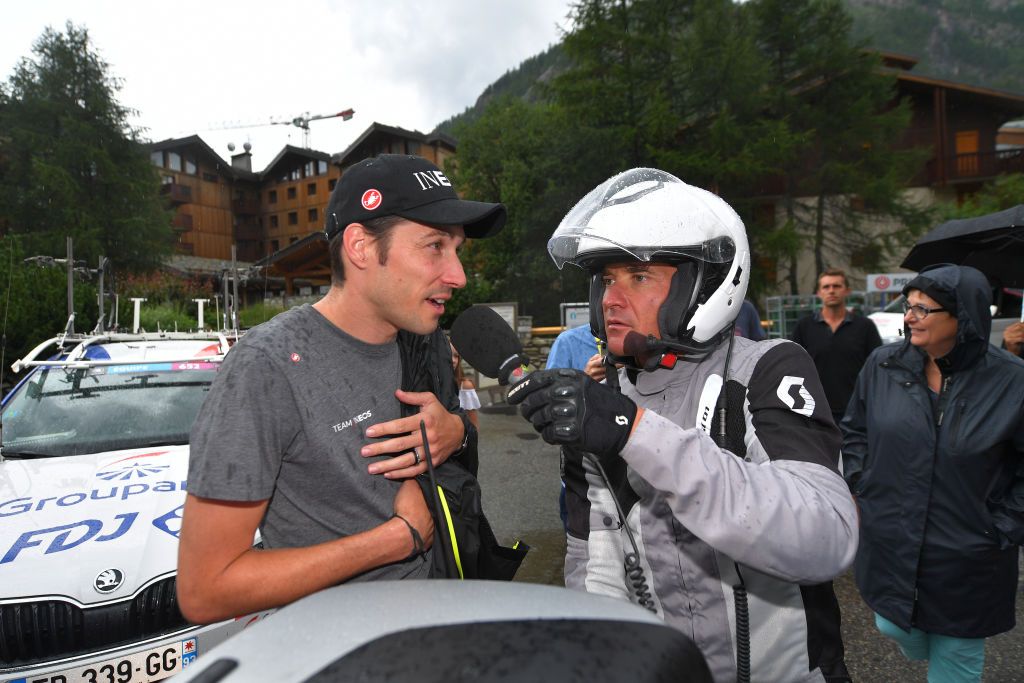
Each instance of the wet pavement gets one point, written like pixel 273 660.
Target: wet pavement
pixel 519 476
pixel 520 482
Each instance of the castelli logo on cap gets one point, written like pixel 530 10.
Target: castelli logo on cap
pixel 371 199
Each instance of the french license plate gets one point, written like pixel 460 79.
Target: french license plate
pixel 140 667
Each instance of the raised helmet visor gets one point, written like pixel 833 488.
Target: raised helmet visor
pixel 636 214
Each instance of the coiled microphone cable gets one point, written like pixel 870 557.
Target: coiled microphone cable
pixel 739 591
pixel 631 562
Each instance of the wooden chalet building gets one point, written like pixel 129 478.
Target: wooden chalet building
pixel 201 186
pixel 218 204
pixel 306 260
pixel 961 124
pixel 274 217
pixel 970 133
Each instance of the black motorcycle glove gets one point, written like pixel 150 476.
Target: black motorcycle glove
pixel 570 409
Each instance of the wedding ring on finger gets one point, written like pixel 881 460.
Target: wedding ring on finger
pixel 416 456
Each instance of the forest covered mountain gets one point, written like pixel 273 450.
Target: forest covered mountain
pixel 980 42
pixel 525 81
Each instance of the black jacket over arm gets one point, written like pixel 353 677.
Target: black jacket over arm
pixel 427 366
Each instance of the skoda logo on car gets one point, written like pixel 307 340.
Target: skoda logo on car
pixel 108 580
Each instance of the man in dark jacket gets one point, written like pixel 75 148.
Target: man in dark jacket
pixel 932 449
pixel 838 340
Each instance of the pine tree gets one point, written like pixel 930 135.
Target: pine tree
pixel 70 163
pixel 768 103
pixel 843 189
pixel 530 158
pixel 621 52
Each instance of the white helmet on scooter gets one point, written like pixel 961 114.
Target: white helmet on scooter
pixel 648 215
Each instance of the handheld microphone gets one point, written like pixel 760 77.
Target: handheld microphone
pixel 485 341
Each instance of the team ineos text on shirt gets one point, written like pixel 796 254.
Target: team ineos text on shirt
pixel 355 420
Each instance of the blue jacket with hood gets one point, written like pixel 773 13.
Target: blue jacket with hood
pixel 939 481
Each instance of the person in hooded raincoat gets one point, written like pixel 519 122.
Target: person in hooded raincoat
pixel 933 439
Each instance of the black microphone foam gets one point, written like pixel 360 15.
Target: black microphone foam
pixel 635 344
pixel 486 341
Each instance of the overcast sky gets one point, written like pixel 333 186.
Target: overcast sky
pixel 196 67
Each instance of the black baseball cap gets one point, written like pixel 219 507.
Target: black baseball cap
pixel 411 187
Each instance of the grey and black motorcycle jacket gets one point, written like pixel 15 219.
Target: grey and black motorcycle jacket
pixel 939 479
pixel 771 508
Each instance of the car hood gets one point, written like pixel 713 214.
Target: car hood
pixel 91 528
pixel 890 326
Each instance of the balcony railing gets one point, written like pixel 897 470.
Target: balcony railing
pixel 248 251
pixel 247 231
pixel 976 166
pixel 182 222
pixel 177 193
pixel 245 207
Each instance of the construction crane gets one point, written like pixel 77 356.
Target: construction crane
pixel 302 121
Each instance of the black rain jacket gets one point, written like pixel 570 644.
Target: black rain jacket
pixel 427 366
pixel 940 484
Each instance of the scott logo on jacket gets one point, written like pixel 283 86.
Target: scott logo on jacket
pixel 786 391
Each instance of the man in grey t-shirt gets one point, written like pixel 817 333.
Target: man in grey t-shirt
pixel 302 434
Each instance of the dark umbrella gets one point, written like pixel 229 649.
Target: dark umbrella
pixel 994 244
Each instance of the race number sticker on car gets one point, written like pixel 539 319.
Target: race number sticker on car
pixel 136 368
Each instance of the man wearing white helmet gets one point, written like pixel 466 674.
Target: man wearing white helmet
pixel 717 504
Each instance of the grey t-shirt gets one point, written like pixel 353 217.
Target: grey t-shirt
pixel 285 420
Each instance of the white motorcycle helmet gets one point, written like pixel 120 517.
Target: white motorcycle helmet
pixel 649 215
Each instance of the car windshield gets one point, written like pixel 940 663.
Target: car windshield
pixel 63 411
pixel 895 306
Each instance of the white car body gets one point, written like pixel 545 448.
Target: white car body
pixel 89 539
pixel 441 631
pixel 890 324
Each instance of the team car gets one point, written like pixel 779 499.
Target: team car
pixel 93 464
pixel 440 631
